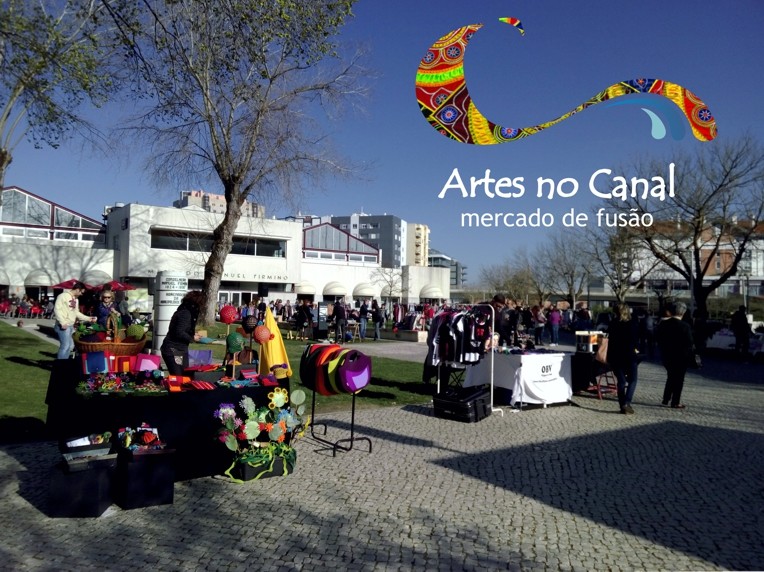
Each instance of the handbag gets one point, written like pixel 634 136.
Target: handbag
pixel 695 362
pixel 601 354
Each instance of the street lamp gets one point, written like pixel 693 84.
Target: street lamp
pixel 745 271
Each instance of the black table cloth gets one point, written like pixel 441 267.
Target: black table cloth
pixel 185 420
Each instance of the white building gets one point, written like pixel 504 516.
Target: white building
pixel 42 244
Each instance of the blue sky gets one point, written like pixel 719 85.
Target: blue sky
pixel 571 51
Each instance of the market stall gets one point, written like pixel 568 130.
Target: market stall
pixel 535 378
pixel 184 418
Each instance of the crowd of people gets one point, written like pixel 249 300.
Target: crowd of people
pixel 541 323
pixel 632 334
pixel 26 307
pixel 302 315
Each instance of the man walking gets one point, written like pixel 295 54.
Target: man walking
pixel 66 313
pixel 674 337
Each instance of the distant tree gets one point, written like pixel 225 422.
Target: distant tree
pixel 391 280
pixel 617 256
pixel 497 278
pixel 52 58
pixel 718 204
pixel 231 91
pixel 519 278
pixel 565 262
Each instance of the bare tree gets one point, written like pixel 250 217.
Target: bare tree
pixel 616 255
pixel 521 278
pixel 232 89
pixel 565 261
pixel 391 280
pixel 52 58
pixel 713 215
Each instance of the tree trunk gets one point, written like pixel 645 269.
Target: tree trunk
pixel 221 247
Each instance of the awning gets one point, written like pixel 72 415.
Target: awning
pixel 41 277
pixel 95 277
pixel 304 287
pixel 335 289
pixel 364 290
pixel 431 291
pixel 4 280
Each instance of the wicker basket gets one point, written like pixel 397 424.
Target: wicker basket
pixel 115 347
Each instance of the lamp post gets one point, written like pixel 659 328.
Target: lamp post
pixel 745 270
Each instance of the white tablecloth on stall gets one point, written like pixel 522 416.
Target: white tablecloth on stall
pixel 533 378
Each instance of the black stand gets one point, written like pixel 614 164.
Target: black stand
pixel 336 444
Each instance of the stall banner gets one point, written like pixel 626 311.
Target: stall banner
pixel 543 379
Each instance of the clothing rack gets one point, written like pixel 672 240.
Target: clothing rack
pixel 493 329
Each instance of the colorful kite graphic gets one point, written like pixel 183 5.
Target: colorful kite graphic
pixel 444 100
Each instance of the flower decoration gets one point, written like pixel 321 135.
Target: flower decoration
pixel 279 397
pixel 258 435
pixel 144 382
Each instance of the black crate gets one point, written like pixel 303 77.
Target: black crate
pixel 502 395
pixel 209 376
pixel 81 487
pixel 145 479
pixel 469 405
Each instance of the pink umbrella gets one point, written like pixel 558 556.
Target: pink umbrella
pixel 116 286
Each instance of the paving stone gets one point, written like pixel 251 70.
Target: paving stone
pixel 562 488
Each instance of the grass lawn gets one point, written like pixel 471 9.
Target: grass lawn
pixel 27 361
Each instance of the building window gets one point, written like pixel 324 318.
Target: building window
pixel 199 242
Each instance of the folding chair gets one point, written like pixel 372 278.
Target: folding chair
pixel 605 382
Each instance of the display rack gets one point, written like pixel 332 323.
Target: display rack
pixel 493 329
pixel 336 445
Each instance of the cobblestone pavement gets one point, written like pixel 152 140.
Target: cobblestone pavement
pixel 577 487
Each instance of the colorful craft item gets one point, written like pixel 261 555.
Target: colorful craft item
pixel 263 334
pixel 135 331
pixel 249 324
pixel 174 383
pixel 248 374
pixel 228 314
pixel 330 369
pixel 234 342
pixel 332 383
pixel 445 101
pixel 354 371
pixel 147 362
pixel 273 352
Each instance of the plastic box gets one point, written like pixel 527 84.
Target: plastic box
pixel 145 479
pixel 81 487
pixel 468 405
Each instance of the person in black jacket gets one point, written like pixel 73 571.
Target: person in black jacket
pixel 181 332
pixel 304 321
pixel 674 337
pixel 622 344
pixel 340 317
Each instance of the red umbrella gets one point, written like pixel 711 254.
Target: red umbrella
pixel 116 286
pixel 67 284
